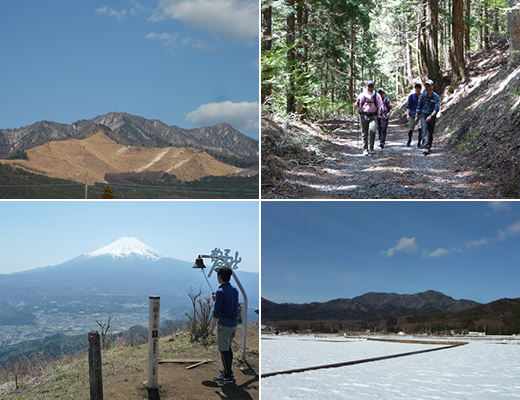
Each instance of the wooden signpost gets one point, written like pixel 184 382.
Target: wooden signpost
pixel 94 364
pixel 153 342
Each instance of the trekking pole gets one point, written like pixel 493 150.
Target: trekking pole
pixel 359 133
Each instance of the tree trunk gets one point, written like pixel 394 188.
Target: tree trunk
pixel 352 60
pixel 302 21
pixel 421 39
pixel 486 25
pixel 513 26
pixel 291 60
pixel 408 52
pixel 267 13
pixel 447 39
pixel 403 83
pixel 467 28
pixel 432 44
pixel 480 34
pixel 496 25
pixel 457 40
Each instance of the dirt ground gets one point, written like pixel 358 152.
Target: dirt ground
pixel 176 382
pixel 338 170
pixel 124 371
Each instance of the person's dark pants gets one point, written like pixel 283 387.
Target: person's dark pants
pixel 368 129
pixel 227 362
pixel 427 131
pixel 383 125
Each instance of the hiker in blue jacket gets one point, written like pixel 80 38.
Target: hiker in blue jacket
pixel 427 110
pixel 411 108
pixel 225 315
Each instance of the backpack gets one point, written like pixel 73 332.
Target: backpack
pixel 364 99
pixel 385 103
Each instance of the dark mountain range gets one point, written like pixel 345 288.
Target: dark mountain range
pixel 369 305
pixel 127 129
pixel 125 271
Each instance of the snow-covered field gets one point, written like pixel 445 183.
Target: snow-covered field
pixel 482 369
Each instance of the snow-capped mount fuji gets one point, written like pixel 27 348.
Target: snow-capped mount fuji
pixel 127 247
pixel 126 270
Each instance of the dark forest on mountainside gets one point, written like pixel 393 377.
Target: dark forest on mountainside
pixel 500 317
pixel 16 183
pixel 316 58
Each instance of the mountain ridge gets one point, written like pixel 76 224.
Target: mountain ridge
pixel 101 154
pixel 221 138
pixel 369 305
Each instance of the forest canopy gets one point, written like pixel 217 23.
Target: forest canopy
pixel 317 54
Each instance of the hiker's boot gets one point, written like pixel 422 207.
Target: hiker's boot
pixel 222 379
pixel 222 372
pixel 365 152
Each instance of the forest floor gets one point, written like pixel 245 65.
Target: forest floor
pixel 337 169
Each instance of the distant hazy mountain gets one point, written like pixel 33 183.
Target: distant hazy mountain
pixel 126 269
pixel 134 130
pixel 369 305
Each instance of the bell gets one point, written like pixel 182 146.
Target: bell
pixel 199 263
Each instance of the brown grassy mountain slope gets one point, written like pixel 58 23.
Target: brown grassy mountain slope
pixel 99 155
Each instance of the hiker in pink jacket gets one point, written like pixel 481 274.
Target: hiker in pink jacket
pixel 369 104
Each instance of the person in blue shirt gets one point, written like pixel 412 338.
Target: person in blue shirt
pixel 225 315
pixel 411 108
pixel 427 110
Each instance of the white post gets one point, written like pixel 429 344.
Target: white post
pixel 153 342
pixel 86 185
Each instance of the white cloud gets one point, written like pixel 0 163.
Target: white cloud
pixel 513 230
pixel 498 206
pixel 202 46
pixel 162 36
pixel 171 41
pixel 440 252
pixel 476 243
pixel 242 116
pixel 255 64
pixel 226 19
pixel 404 244
pixel 111 12
pixel 175 41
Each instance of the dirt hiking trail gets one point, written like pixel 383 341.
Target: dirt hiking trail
pixel 338 169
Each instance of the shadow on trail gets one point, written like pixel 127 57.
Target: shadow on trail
pixel 396 172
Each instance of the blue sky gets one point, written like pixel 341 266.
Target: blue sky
pixel 320 251
pixel 189 63
pixel 42 233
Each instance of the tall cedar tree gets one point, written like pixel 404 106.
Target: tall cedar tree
pixel 108 194
pixel 458 65
pixel 513 25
